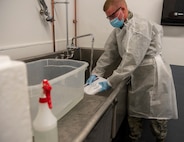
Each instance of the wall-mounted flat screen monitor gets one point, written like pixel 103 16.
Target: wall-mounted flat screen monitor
pixel 173 13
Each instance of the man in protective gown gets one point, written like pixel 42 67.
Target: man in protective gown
pixel 151 92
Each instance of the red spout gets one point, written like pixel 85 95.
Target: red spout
pixel 46 90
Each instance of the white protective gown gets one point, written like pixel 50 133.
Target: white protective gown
pixel 151 92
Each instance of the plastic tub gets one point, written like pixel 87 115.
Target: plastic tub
pixel 66 78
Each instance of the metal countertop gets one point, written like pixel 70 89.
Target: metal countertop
pixel 78 122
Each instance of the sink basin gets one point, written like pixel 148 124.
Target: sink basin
pixel 66 77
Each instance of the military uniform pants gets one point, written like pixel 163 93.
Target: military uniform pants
pixel 159 129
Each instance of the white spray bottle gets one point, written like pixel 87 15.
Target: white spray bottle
pixel 45 123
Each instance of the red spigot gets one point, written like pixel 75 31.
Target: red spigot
pixel 46 90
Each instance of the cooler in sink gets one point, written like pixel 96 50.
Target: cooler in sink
pixel 66 77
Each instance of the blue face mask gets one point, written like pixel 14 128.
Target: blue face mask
pixel 117 23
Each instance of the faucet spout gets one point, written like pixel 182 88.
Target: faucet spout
pixel 82 36
pixel 72 47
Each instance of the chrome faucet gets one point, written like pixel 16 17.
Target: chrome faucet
pixel 44 10
pixel 72 47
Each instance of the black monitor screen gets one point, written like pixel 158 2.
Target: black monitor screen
pixel 173 13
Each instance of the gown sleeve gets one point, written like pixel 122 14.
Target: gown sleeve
pixel 109 56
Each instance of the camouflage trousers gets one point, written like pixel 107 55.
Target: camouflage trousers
pixel 159 129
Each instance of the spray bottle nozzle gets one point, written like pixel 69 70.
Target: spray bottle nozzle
pixel 46 90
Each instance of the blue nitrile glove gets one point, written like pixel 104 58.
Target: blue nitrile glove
pixel 91 79
pixel 105 86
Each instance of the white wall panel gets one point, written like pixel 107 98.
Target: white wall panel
pixel 22 27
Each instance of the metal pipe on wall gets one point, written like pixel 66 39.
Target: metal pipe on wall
pixel 75 20
pixel 53 26
pixel 67 36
